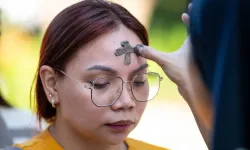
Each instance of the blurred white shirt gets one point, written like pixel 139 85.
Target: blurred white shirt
pixel 21 125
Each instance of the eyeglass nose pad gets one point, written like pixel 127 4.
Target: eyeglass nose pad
pixel 119 91
pixel 129 87
pixel 88 86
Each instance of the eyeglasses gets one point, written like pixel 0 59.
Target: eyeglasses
pixel 106 91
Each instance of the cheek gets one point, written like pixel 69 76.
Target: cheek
pixel 77 108
pixel 140 107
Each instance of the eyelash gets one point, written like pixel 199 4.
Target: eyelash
pixel 140 72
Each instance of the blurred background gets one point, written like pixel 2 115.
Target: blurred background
pixel 167 122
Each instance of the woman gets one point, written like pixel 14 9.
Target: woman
pixel 91 95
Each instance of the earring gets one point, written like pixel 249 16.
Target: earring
pixel 53 103
pixel 49 94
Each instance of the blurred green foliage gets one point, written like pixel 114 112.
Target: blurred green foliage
pixel 167 32
pixel 168 13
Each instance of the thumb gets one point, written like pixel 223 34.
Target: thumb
pixel 150 53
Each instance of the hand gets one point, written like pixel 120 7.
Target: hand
pixel 180 68
pixel 176 64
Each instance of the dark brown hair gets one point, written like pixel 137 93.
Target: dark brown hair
pixel 3 102
pixel 72 28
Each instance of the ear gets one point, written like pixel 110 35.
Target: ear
pixel 49 80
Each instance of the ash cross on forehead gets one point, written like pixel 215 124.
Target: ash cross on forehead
pixel 127 50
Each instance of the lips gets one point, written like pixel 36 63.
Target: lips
pixel 120 126
pixel 122 122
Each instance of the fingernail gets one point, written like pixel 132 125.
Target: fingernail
pixel 138 49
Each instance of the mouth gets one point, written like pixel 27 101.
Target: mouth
pixel 120 126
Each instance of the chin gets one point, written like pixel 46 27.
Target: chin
pixel 115 139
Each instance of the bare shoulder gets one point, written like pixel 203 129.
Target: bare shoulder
pixel 140 145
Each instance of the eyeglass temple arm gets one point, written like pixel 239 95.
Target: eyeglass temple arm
pixel 85 85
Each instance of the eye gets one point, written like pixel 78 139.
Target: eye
pixel 139 83
pixel 101 86
pixel 140 80
pixel 101 83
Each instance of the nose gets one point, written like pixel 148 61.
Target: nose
pixel 126 99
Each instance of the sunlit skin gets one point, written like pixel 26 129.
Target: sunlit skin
pixel 79 123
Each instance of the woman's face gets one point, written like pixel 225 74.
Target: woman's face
pixel 110 124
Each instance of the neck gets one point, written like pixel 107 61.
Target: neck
pixel 69 139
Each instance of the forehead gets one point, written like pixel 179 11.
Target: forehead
pixel 101 52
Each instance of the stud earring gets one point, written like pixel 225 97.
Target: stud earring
pixel 49 94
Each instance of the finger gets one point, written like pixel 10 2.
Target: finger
pixel 190 7
pixel 185 18
pixel 151 54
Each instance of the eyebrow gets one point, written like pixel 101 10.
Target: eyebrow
pixel 108 69
pixel 102 68
pixel 144 66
